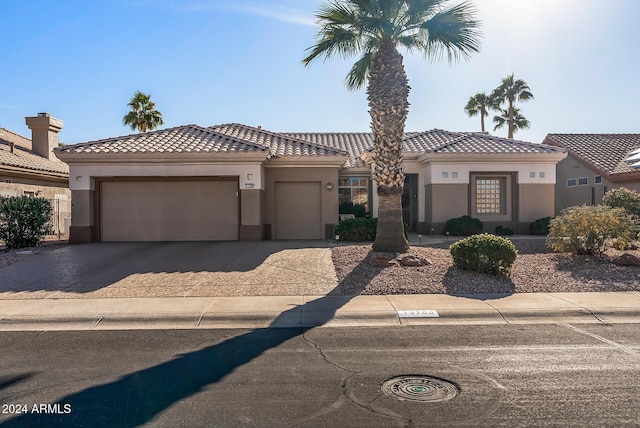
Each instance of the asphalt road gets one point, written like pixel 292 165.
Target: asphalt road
pixel 505 375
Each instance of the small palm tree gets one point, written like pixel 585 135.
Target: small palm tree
pixel 372 30
pixel 519 121
pixel 509 91
pixel 143 115
pixel 479 104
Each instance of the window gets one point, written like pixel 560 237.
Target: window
pixel 445 175
pixel 541 174
pixel 354 190
pixel 593 196
pixel 583 181
pixel 454 175
pixel 532 174
pixel 572 182
pixel 490 195
pixel 605 189
pixel 597 179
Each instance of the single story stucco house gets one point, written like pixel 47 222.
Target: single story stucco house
pixel 237 182
pixel 596 163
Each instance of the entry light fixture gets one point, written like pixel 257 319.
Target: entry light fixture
pixel 329 185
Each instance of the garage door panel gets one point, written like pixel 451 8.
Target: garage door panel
pixel 169 210
pixel 298 210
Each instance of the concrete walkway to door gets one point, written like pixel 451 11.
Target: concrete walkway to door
pixel 173 269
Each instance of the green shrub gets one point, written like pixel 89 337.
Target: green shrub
pixel 540 226
pixel 357 229
pixel 24 221
pixel 463 226
pixel 503 231
pixel 586 230
pixel 358 210
pixel 623 198
pixel 484 253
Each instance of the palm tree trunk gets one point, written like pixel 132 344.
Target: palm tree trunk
pixel 482 113
pixel 388 94
pixel 510 118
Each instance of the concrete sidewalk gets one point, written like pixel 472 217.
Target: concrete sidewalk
pixel 310 311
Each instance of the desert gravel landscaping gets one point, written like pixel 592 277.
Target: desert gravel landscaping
pixel 535 270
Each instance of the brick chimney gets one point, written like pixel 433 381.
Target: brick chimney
pixel 44 134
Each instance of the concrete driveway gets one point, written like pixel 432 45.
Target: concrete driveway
pixel 173 269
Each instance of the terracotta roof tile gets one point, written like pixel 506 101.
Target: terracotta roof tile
pixel 608 153
pixel 22 156
pixel 181 139
pixel 280 144
pixel 433 141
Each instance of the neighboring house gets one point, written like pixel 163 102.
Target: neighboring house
pixel 236 182
pixel 596 164
pixel 29 167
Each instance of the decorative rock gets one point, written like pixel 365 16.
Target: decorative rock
pixel 413 260
pixel 626 260
pixel 378 260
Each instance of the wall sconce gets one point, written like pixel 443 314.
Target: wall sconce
pixel 329 185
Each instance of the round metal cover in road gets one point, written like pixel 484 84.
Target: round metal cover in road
pixel 420 388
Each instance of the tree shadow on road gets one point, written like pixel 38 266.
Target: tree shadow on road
pixel 136 398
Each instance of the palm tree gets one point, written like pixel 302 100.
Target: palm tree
pixel 511 90
pixel 519 121
pixel 480 104
pixel 143 115
pixel 372 30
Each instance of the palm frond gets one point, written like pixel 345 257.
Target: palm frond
pixel 357 76
pixel 453 31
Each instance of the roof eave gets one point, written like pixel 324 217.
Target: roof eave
pixel 307 161
pixel 168 158
pixel 550 157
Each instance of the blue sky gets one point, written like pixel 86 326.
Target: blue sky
pixel 216 61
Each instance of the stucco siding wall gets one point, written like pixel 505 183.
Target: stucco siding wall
pixel 447 201
pixel 536 201
pixel 572 168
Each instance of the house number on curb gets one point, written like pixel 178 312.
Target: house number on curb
pixel 425 313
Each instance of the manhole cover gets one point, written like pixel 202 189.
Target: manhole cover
pixel 423 389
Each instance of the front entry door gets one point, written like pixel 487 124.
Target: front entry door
pixel 410 201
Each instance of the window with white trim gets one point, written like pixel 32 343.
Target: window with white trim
pixel 583 181
pixel 597 179
pixel 354 190
pixel 572 182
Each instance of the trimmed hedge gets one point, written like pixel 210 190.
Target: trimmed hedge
pixel 503 231
pixel 463 226
pixel 357 229
pixel 484 253
pixel 24 221
pixel 540 226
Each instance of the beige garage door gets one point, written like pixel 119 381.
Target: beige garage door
pixel 169 210
pixel 298 210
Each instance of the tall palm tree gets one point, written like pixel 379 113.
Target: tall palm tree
pixel 143 115
pixel 518 121
pixel 372 30
pixel 511 90
pixel 480 104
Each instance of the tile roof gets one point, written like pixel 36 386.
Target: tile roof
pixel 433 141
pixel 23 158
pixel 234 137
pixel 181 139
pixel 279 144
pixel 353 143
pixel 608 153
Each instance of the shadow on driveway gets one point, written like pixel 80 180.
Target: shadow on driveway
pixel 90 267
pixel 138 397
